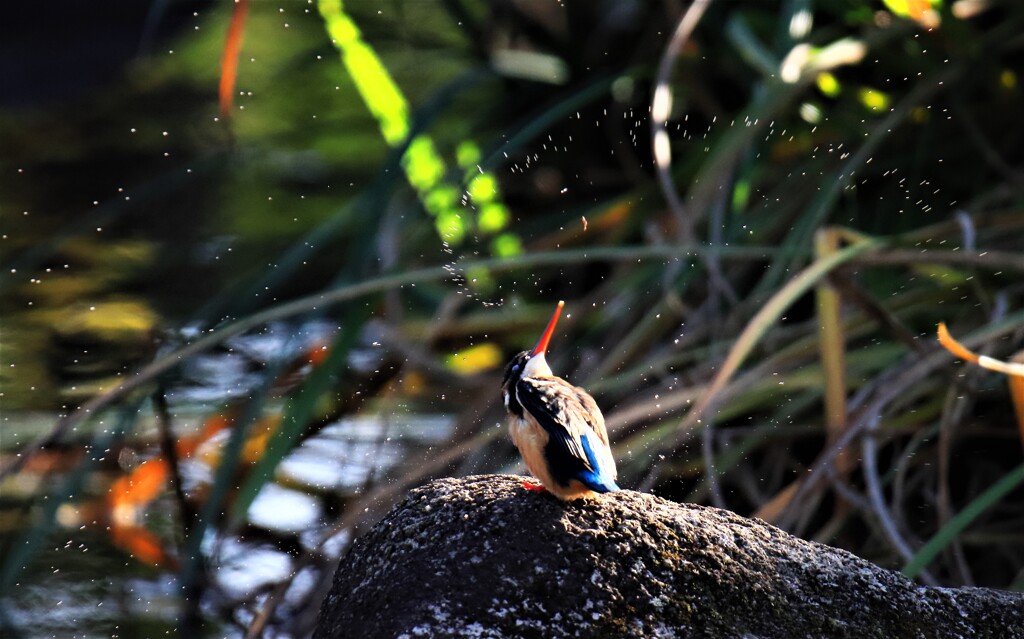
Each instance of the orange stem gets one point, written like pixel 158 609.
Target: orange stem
pixel 954 346
pixel 229 62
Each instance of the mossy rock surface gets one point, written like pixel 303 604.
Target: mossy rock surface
pixel 482 557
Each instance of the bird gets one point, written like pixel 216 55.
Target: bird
pixel 557 427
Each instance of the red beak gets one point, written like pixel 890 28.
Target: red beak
pixel 542 345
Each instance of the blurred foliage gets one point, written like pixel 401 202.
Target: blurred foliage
pixel 190 301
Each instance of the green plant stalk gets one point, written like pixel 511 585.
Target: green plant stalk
pixel 962 520
pixel 646 330
pixel 769 314
pixel 330 297
pixel 762 391
pixel 349 222
pixel 831 343
pixel 857 325
pixel 423 165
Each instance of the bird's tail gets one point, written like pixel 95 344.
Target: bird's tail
pixel 598 484
pixel 595 480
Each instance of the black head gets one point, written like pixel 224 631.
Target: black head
pixel 513 373
pixel 517 367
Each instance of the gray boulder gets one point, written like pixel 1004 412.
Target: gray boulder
pixel 482 557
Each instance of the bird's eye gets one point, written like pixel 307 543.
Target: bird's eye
pixel 515 368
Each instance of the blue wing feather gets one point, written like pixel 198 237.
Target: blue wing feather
pixel 596 479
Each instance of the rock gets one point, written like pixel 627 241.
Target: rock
pixel 482 557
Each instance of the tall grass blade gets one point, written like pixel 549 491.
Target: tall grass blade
pixel 962 520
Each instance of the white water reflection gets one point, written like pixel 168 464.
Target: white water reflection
pixel 237 367
pixel 283 510
pixel 347 454
pixel 244 569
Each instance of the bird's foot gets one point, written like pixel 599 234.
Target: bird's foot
pixel 533 487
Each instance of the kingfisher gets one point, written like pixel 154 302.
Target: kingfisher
pixel 557 427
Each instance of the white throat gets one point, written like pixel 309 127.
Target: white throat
pixel 537 366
